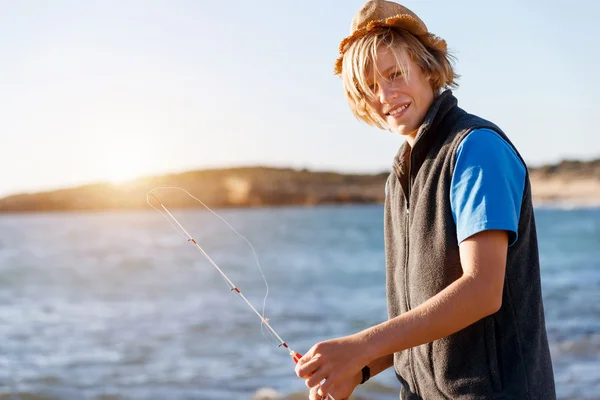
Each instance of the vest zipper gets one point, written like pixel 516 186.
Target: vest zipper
pixel 407 250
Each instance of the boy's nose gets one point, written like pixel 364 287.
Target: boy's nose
pixel 387 94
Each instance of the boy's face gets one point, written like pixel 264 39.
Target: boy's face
pixel 402 101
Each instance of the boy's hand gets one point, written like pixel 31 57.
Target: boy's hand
pixel 341 391
pixel 338 361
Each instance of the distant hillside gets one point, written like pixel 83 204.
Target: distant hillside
pixel 235 187
pixel 570 169
pixel 569 182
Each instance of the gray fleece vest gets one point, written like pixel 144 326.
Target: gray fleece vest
pixel 502 356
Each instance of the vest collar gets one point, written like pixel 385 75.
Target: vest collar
pixel 426 135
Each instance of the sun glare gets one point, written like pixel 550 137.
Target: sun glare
pixel 122 174
pixel 124 163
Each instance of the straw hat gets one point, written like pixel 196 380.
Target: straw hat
pixel 381 13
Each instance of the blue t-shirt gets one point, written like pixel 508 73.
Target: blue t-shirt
pixel 487 186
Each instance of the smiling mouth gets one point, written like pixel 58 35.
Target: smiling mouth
pixel 398 110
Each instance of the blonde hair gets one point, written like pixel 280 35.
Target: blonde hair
pixel 360 61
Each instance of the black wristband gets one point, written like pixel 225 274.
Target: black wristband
pixel 366 374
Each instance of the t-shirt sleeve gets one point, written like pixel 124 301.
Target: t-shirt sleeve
pixel 487 186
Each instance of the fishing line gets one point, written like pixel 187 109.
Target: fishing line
pixel 182 232
pixel 162 209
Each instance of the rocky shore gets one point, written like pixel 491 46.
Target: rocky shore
pixel 569 183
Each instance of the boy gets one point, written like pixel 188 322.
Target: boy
pixel 466 318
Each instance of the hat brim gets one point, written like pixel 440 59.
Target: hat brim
pixel 400 21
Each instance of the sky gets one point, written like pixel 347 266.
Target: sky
pixel 94 91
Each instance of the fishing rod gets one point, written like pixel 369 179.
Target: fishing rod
pixel 265 321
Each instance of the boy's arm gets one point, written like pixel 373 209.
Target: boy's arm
pixel 475 295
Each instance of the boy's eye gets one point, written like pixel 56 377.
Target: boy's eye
pixel 396 75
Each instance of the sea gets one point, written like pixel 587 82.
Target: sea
pixel 120 305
